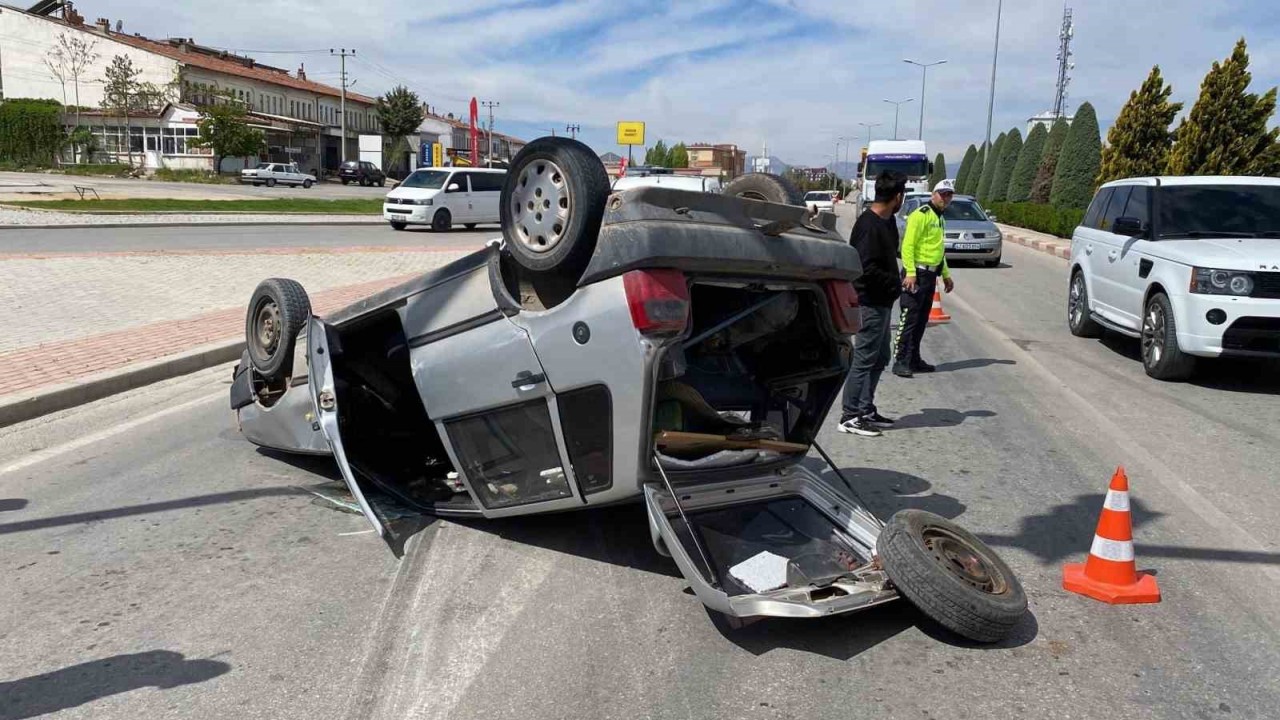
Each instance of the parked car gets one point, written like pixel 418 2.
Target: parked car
pixel 1190 265
pixel 970 233
pixel 820 200
pixel 272 174
pixel 363 172
pixel 440 197
pixel 672 348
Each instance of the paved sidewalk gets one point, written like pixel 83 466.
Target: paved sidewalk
pixel 1049 244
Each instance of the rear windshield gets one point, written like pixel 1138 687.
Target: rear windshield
pixel 1230 210
pixel 819 196
pixel 349 165
pixel 429 179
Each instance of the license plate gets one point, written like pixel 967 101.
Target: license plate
pixel 967 246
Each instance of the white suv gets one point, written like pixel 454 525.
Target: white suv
pixel 1191 265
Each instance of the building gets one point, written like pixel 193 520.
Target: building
pixel 723 161
pixel 1047 119
pixel 455 137
pixel 301 119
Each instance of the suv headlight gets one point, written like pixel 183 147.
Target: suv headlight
pixel 1209 281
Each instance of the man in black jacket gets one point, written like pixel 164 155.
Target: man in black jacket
pixel 875 236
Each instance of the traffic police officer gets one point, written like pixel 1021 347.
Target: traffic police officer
pixel 923 262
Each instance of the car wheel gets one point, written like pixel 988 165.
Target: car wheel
pixel 306 184
pixel 1161 356
pixel 382 182
pixel 271 182
pixel 278 310
pixel 552 205
pixel 1078 318
pixel 952 576
pixel 442 221
pixel 398 225
pixel 346 181
pixel 765 186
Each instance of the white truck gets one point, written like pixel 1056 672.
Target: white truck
pixel 908 157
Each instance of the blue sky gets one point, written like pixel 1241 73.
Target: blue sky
pixel 796 74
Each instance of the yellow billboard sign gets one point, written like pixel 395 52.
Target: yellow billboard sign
pixel 630 132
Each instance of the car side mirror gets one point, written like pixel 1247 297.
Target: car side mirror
pixel 1127 226
pixel 453 187
pixel 992 217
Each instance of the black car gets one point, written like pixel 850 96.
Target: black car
pixel 365 173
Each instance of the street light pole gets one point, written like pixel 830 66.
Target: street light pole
pixel 847 142
pixel 924 73
pixel 897 105
pixel 835 163
pixel 991 102
pixel 868 126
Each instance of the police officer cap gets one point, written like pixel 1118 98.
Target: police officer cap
pixel 945 186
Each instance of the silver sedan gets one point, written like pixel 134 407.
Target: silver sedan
pixel 971 234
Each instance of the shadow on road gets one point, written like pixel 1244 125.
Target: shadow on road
pixel 1242 375
pixel 322 465
pixel 972 364
pixel 77 685
pixel 939 417
pixel 7 504
pixel 885 492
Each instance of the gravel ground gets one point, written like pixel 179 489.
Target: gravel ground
pixel 12 217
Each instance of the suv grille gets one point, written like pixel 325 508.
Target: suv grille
pixel 1268 285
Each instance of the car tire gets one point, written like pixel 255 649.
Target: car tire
pixel 1161 356
pixel 278 310
pixel 951 576
pixel 442 221
pixel 552 205
pixel 765 186
pixel 398 225
pixel 271 182
pixel 306 184
pixel 382 182
pixel 346 181
pixel 1079 321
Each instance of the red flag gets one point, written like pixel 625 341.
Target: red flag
pixel 475 134
pixel 622 168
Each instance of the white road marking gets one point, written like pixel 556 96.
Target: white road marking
pixel 50 453
pixel 357 532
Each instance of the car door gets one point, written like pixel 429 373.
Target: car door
pixel 1108 268
pixel 458 201
pixel 1134 263
pixel 486 196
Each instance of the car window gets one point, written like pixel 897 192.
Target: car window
pixel 588 435
pixel 1097 207
pixel 818 196
pixel 426 179
pixel 461 179
pixel 964 210
pixel 510 455
pixel 264 166
pixel 1115 208
pixel 1139 205
pixel 349 165
pixel 487 182
pixel 1209 209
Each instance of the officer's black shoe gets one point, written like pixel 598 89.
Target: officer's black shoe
pixel 902 370
pixel 921 366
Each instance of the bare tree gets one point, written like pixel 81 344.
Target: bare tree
pixel 69 58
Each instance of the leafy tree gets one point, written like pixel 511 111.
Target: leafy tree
pixel 999 190
pixel 1226 132
pixel 399 113
pixel 1139 141
pixel 1024 171
pixel 657 156
pixel 1077 173
pixel 989 166
pixel 224 128
pixel 939 170
pixel 1042 186
pixel 119 93
pixel 679 156
pixel 975 172
pixel 965 166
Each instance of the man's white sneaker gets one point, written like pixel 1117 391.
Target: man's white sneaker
pixel 859 426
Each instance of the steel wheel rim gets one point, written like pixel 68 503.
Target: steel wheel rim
pixel 1075 300
pixel 541 204
pixel 1153 335
pixel 266 326
pixel 962 561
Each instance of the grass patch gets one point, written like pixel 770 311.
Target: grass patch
pixel 91 169
pixel 359 206
pixel 192 176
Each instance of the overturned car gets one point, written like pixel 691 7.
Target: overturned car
pixel 675 348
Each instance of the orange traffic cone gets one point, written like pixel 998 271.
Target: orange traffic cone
pixel 937 315
pixel 1110 574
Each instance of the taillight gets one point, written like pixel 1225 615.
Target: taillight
pixel 658 299
pixel 842 300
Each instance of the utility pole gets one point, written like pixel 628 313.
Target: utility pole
pixel 835 163
pixel 847 142
pixel 868 126
pixel 991 102
pixel 897 106
pixel 490 104
pixel 343 53
pixel 573 130
pixel 924 73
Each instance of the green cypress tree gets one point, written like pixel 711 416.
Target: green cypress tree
pixel 999 190
pixel 1226 132
pixel 939 170
pixel 1042 186
pixel 989 166
pixel 1024 171
pixel 975 172
pixel 1139 141
pixel 966 165
pixel 1077 173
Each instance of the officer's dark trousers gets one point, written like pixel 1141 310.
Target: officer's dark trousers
pixel 915 317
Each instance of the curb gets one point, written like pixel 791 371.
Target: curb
pixel 50 399
pixel 1060 249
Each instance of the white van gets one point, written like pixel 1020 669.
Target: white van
pixel 440 197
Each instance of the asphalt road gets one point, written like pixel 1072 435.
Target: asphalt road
pixel 220 238
pixel 159 566
pixel 33 186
